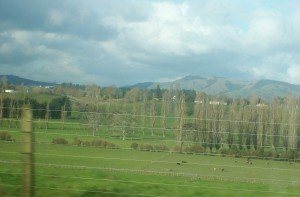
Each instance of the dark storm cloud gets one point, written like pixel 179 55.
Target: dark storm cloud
pixel 67 17
pixel 124 42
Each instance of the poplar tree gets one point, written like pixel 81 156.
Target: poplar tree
pixel 143 112
pixel 181 115
pixel 153 115
pixel 276 116
pixel 198 115
pixel 1 106
pixel 262 127
pixel 47 115
pixel 164 110
pixel 230 126
pixel 92 116
pixel 239 119
pixel 292 110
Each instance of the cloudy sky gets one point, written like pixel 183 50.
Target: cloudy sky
pixel 123 42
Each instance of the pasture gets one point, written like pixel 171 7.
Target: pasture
pixel 120 170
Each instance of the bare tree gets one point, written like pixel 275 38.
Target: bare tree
pixel 292 110
pixel 3 87
pixel 153 115
pixel 63 115
pixel 231 125
pixel 11 110
pixel 218 115
pixel 1 107
pixel 181 116
pixel 198 111
pixel 164 110
pixel 47 115
pixel 92 116
pixel 276 117
pixel 239 117
pixel 144 112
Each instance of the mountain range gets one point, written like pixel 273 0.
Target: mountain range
pixel 15 80
pixel 232 88
pixel 264 88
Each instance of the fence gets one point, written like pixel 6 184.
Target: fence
pixel 105 157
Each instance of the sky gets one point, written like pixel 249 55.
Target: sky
pixel 123 42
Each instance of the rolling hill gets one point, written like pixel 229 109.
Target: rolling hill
pixel 232 88
pixel 15 80
pixel 264 88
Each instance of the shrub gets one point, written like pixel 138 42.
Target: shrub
pixel 224 152
pixel 5 136
pixel 111 145
pixel 134 145
pixel 292 154
pixel 270 154
pixel 160 147
pixel 96 142
pixel 149 147
pixel 102 143
pixel 197 148
pixel 77 142
pixel 146 147
pixel 60 141
pixel 177 148
pixel 86 143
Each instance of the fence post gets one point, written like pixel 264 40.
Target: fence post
pixel 28 150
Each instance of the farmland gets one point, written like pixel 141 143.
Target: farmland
pixel 90 170
pixel 151 143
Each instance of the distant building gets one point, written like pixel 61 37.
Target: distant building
pixel 217 103
pixel 198 101
pixel 261 105
pixel 49 87
pixel 9 91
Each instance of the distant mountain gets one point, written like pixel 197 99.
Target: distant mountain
pixel 144 85
pixel 12 79
pixel 232 88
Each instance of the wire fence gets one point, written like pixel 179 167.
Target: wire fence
pixel 161 161
pixel 145 172
pixel 83 125
pixel 160 116
pixel 124 159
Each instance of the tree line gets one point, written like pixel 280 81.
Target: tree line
pixel 215 123
pixel 11 108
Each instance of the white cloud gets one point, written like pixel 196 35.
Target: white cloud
pixel 141 40
pixel 55 18
pixel 266 31
pixel 5 48
pixel 293 74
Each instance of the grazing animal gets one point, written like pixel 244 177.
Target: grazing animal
pixel 222 169
pixel 183 161
pixel 251 162
pixel 178 163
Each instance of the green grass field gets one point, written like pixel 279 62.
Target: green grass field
pixel 68 170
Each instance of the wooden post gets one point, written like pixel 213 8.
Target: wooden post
pixel 28 150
